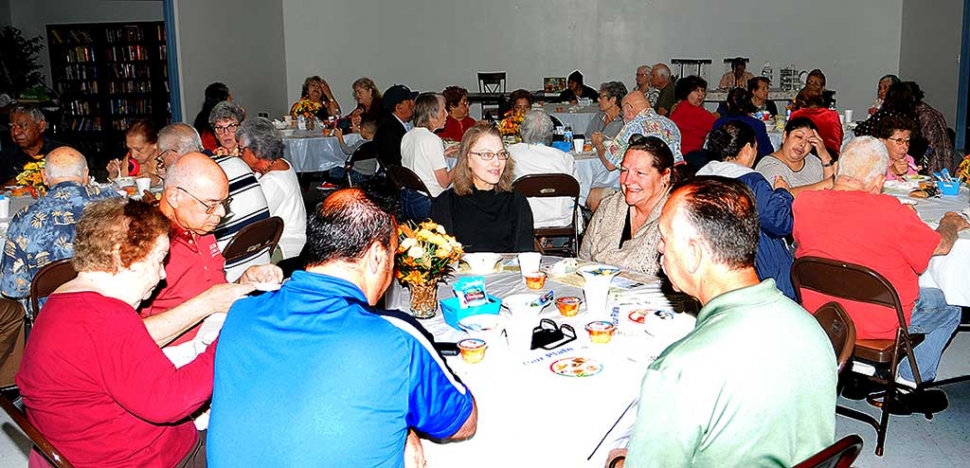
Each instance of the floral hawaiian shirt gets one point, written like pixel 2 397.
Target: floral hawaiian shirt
pixel 646 123
pixel 43 233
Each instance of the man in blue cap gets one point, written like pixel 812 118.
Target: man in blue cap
pixel 399 108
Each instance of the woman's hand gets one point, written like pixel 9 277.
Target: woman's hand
pixel 114 168
pixel 451 151
pixel 899 166
pixel 816 141
pixel 781 183
pixel 597 139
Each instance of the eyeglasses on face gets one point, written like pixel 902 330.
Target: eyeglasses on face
pixel 488 155
pixel 231 128
pixel 900 141
pixel 213 206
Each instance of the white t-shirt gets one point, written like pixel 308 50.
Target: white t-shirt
pixel 282 190
pixel 541 159
pixel 423 152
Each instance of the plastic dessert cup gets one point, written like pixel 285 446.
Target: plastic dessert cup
pixel 600 331
pixel 535 280
pixel 472 350
pixel 568 305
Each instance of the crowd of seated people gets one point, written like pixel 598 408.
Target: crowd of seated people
pixel 151 274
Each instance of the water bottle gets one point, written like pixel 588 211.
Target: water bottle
pixel 301 122
pixel 766 71
pixel 567 135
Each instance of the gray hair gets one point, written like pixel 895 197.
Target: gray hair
pixel 34 113
pixel 427 105
pixel 262 138
pixel 536 127
pixel 614 89
pixel 863 158
pixel 648 68
pixel 65 163
pixel 179 137
pixel 662 70
pixel 226 110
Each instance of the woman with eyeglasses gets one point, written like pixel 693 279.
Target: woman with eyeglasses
pixel 141 139
pixel 214 94
pixel 896 132
pixel 480 209
pixel 458 121
pixel 225 119
pixel 625 229
pixel 261 147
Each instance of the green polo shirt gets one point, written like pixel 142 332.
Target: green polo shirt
pixel 753 385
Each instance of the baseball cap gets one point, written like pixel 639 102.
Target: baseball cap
pixel 397 94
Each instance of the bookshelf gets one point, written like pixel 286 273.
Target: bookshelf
pixel 108 76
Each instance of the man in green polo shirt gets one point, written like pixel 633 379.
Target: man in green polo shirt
pixel 753 384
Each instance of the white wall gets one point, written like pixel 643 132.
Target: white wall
pixel 930 51
pixel 430 44
pixel 33 16
pixel 239 43
pixel 4 13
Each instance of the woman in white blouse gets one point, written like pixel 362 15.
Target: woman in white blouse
pixel 261 147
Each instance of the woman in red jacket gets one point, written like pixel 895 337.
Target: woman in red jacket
pixel 689 114
pixel 810 104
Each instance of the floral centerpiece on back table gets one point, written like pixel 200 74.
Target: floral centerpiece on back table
pixel 963 170
pixel 509 126
pixel 425 255
pixel 32 179
pixel 308 109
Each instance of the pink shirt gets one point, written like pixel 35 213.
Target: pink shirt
pixel 910 170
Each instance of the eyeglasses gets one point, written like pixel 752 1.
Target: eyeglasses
pixel 900 141
pixel 488 155
pixel 211 208
pixel 228 128
pixel 160 159
pixel 643 74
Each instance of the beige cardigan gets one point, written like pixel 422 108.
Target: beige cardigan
pixel 602 238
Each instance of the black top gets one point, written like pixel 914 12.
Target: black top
pixel 486 221
pixel 387 139
pixel 13 158
pixel 569 96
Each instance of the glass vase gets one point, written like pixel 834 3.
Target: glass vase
pixel 424 300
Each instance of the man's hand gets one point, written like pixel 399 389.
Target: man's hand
pixel 955 221
pixel 451 151
pixel 597 139
pixel 268 273
pixel 414 451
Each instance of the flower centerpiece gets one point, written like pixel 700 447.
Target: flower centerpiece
pixel 425 255
pixel 963 170
pixel 509 126
pixel 308 109
pixel 31 178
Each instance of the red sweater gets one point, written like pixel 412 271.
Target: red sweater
pixel 694 123
pixel 828 123
pixel 99 388
pixel 455 129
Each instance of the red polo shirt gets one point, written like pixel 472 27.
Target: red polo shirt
pixel 194 265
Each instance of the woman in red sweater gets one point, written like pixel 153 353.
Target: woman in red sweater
pixel 93 380
pixel 689 114
pixel 458 121
pixel 810 104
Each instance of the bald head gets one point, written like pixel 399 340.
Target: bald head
pixel 633 104
pixel 65 164
pixel 196 170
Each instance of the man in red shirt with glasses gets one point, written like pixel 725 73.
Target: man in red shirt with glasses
pixel 195 199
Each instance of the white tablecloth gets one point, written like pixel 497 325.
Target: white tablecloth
pixel 16 204
pixel 577 116
pixel 947 272
pixel 313 152
pixel 529 416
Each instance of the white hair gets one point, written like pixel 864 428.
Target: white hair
pixel 536 127
pixel 863 158
pixel 180 138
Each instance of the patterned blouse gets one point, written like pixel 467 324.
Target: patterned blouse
pixel 932 126
pixel 646 123
pixel 601 243
pixel 43 233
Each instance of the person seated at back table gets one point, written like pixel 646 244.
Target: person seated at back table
pixel 316 91
pixel 458 122
pixel 534 156
pixel 689 114
pixel 609 120
pixel 740 106
pixel 759 87
pixel 794 167
pixel 702 402
pixel 810 104
pixel 623 230
pixel 736 148
pixel 225 120
pixel 262 150
pixel 364 379
pixel 480 209
pixel 896 133
pixel 854 222
pixel 396 121
pixel 575 89
pixel 366 168
pixel 141 139
pixel 661 79
pixel 737 77
pixel 424 153
pixel 93 379
pixel 214 94
pixel 27 126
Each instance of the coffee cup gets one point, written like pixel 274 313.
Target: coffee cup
pixel 848 115
pixel 529 263
pixel 578 144
pixel 143 183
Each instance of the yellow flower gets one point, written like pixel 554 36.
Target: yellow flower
pixel 416 252
pixel 442 253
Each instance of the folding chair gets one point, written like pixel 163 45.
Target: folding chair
pixel 263 235
pixel 41 444
pixel 841 454
pixel 46 281
pixel 550 186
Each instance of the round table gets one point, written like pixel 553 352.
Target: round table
pixel 310 151
pixel 577 116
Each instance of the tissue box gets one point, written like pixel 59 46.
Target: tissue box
pixel 949 189
pixel 453 312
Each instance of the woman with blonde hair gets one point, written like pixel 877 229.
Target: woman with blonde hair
pixel 481 209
